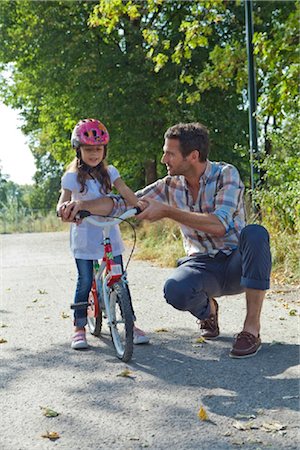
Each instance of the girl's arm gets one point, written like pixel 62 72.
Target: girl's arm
pixel 129 196
pixel 64 198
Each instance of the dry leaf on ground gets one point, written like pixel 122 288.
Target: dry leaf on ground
pixel 126 373
pixel 3 341
pixel 200 340
pixel 272 426
pixel 65 315
pixel 161 330
pixel 52 435
pixel 243 426
pixel 48 412
pixel 202 414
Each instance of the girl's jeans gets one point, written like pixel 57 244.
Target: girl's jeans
pixel 197 278
pixel 84 284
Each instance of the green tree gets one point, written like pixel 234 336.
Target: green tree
pixel 63 70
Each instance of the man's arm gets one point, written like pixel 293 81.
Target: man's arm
pixel 155 210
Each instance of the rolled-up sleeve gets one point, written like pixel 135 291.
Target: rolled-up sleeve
pixel 119 205
pixel 157 191
pixel 229 196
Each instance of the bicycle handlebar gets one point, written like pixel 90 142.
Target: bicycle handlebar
pixel 83 214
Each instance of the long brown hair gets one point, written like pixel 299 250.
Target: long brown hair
pixel 84 172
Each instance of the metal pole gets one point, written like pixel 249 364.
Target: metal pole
pixel 251 89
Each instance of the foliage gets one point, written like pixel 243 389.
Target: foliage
pixel 63 70
pixel 159 242
pixel 278 196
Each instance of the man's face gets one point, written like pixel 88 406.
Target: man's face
pixel 172 157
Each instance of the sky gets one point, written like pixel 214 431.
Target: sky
pixel 16 159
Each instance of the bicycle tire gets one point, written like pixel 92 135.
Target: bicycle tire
pixel 94 312
pixel 121 328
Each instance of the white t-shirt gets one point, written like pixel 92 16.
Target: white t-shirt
pixel 86 239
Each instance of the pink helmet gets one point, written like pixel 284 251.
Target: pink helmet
pixel 89 132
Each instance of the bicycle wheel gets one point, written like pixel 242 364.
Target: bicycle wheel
pixel 94 312
pixel 121 328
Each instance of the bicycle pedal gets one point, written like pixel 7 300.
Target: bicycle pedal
pixel 79 305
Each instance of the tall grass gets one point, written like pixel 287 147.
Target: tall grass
pixel 22 220
pixel 161 242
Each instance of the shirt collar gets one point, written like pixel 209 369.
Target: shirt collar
pixel 205 176
pixel 207 173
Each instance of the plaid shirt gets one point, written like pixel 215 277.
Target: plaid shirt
pixel 220 193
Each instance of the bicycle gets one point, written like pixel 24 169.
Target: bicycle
pixel 109 296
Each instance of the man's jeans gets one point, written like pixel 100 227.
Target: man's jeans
pixel 197 278
pixel 84 284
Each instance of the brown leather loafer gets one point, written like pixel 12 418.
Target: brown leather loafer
pixel 209 327
pixel 245 345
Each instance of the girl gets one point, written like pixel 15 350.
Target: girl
pixel 87 178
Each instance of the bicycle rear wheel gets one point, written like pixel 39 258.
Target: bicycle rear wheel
pixel 94 312
pixel 121 328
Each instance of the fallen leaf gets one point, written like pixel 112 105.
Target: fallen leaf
pixel 200 340
pixel 48 412
pixel 282 318
pixel 202 414
pixel 161 330
pixel 239 443
pixel 134 438
pixel 35 300
pixel 4 326
pixel 126 373
pixel 65 315
pixel 245 416
pixel 272 426
pixel 42 291
pixel 3 341
pixel 52 435
pixel 243 426
pixel 289 397
pixel 293 312
pixel 227 433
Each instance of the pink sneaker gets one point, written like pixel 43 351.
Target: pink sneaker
pixel 139 336
pixel 79 340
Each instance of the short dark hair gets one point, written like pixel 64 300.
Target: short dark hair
pixel 192 136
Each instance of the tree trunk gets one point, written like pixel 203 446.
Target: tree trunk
pixel 150 171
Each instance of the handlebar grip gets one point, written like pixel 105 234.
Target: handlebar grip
pixel 138 210
pixel 82 214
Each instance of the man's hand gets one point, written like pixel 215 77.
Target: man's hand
pixel 152 210
pixel 68 210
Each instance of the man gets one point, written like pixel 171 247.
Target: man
pixel 224 256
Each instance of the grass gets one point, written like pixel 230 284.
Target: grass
pixel 22 222
pixel 161 242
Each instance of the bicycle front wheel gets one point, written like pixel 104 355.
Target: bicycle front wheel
pixel 121 327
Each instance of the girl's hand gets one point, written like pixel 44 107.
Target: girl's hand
pixel 69 211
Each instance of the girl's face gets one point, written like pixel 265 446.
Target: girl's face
pixel 92 154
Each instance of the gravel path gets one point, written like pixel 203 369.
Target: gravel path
pixel 157 407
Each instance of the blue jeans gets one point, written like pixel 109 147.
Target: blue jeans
pixel 197 278
pixel 84 284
